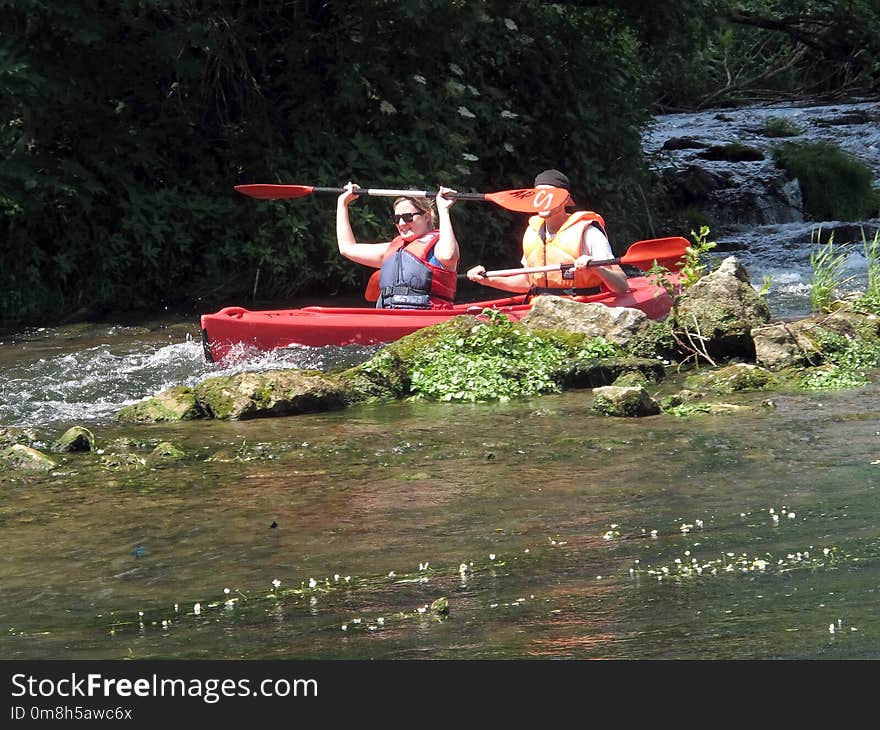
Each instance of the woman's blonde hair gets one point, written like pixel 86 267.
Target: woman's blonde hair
pixel 425 205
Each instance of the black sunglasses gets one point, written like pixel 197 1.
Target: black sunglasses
pixel 406 217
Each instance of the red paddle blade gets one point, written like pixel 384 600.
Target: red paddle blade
pixel 275 192
pixel 529 200
pixel 666 251
pixel 372 292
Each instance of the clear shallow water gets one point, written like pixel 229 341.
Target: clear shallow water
pixel 575 532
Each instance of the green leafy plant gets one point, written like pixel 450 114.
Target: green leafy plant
pixel 497 359
pixel 846 360
pixel 696 263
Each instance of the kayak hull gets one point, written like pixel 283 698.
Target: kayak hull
pixel 321 326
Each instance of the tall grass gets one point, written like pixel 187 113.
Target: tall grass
pixel 870 301
pixel 827 262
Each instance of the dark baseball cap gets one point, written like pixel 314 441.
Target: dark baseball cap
pixel 553 178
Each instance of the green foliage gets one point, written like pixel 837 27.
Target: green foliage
pixel 497 359
pixel 780 127
pixel 696 263
pixel 125 127
pixel 728 52
pixel 686 410
pixel 827 263
pixel 835 185
pixel 847 359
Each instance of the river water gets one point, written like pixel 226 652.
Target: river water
pixel 551 532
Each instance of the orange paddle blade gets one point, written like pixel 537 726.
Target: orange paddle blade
pixel 529 200
pixel 666 251
pixel 275 192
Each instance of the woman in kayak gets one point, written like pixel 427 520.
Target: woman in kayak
pixel 418 267
pixel 558 236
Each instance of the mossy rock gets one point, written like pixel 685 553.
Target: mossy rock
pixel 122 462
pixel 595 373
pixel 175 404
pixel 76 438
pixel 630 402
pixel 731 378
pixel 733 152
pixel 655 341
pixel 24 458
pixel 270 393
pixel 164 452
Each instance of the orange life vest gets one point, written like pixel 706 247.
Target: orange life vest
pixel 563 248
pixel 408 280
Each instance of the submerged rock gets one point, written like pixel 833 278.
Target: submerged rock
pixel 10 435
pixel 732 378
pixel 25 458
pixel 165 451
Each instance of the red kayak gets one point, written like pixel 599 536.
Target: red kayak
pixel 321 326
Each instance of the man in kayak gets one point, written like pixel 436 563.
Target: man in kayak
pixel 558 236
pixel 418 267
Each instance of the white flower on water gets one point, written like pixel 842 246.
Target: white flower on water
pixel 653 533
pixel 791 515
pixel 392 574
pixel 226 591
pixel 467 113
pixel 312 582
pixel 491 556
pixel 276 583
pixel 344 627
pixel 336 577
pixel 197 608
pixel 830 628
pixel 387 107
pixel 462 568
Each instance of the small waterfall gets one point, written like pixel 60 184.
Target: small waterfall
pixel 757 210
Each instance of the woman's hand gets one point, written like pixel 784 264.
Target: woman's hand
pixel 442 201
pixel 349 195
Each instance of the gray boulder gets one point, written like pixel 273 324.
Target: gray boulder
pixel 617 325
